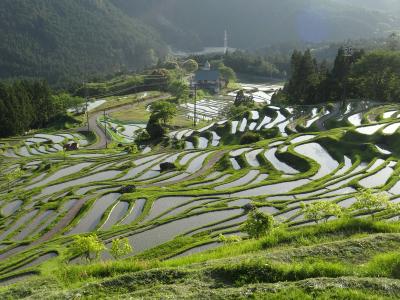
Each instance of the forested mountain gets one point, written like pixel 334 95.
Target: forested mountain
pixel 257 23
pixel 62 40
pixel 70 40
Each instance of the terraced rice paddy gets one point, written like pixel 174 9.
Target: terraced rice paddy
pixel 205 195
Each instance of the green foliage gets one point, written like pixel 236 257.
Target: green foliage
pixel 190 66
pixel 232 111
pixel 243 100
pixel 255 271
pixel 13 175
pixel 120 247
pixel 163 111
pixel 320 210
pixel 132 149
pixel 258 224
pixel 88 246
pixel 227 73
pixel 371 202
pixel 68 40
pixel 66 101
pixel 179 89
pixel 154 129
pixel 384 265
pixel 229 239
pixel 373 76
pixel 25 105
pixel 250 138
pixel 250 63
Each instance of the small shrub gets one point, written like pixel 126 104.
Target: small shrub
pixel 258 224
pixel 167 166
pixel 320 210
pixel 229 239
pixel 89 246
pixel 127 189
pixel 371 202
pixel 132 149
pixel 249 138
pixel 120 247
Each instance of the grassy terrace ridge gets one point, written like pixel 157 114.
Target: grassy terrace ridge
pixel 186 224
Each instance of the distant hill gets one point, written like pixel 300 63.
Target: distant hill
pixel 64 39
pixel 191 24
pixel 69 40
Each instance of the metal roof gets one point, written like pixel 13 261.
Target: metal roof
pixel 212 75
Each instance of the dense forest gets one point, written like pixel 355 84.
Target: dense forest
pixel 358 75
pixel 69 40
pixel 29 104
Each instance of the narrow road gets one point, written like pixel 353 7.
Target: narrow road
pixel 99 130
pixel 321 121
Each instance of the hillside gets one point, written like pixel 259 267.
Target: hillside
pixel 194 24
pixel 185 225
pixel 68 40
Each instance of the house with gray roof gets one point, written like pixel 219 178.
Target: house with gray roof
pixel 208 79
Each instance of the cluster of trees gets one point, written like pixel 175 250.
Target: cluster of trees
pixel 29 104
pixel 252 64
pixel 162 113
pixel 367 202
pixel 259 224
pixel 357 75
pixel 90 247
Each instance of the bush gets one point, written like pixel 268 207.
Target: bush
pixel 229 239
pixel 120 247
pixel 258 224
pixel 132 149
pixel 249 138
pixel 127 189
pixel 320 210
pixel 88 246
pixel 167 166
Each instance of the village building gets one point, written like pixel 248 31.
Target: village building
pixel 208 79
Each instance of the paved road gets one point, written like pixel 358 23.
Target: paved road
pixel 99 130
pixel 321 121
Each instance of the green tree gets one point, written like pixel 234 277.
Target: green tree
pixel 227 73
pixel 258 224
pixel 163 111
pixel 371 202
pixel 243 100
pixel 120 247
pixel 12 176
pixel 320 210
pixel 89 246
pixel 179 89
pixel 190 66
pixel 154 128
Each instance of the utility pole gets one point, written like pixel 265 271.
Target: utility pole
pixel 348 52
pixel 195 106
pixel 226 42
pixel 87 106
pixel 105 128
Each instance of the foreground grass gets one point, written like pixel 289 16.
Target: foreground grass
pixel 281 265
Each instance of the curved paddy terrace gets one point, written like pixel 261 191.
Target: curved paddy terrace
pixel 208 191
